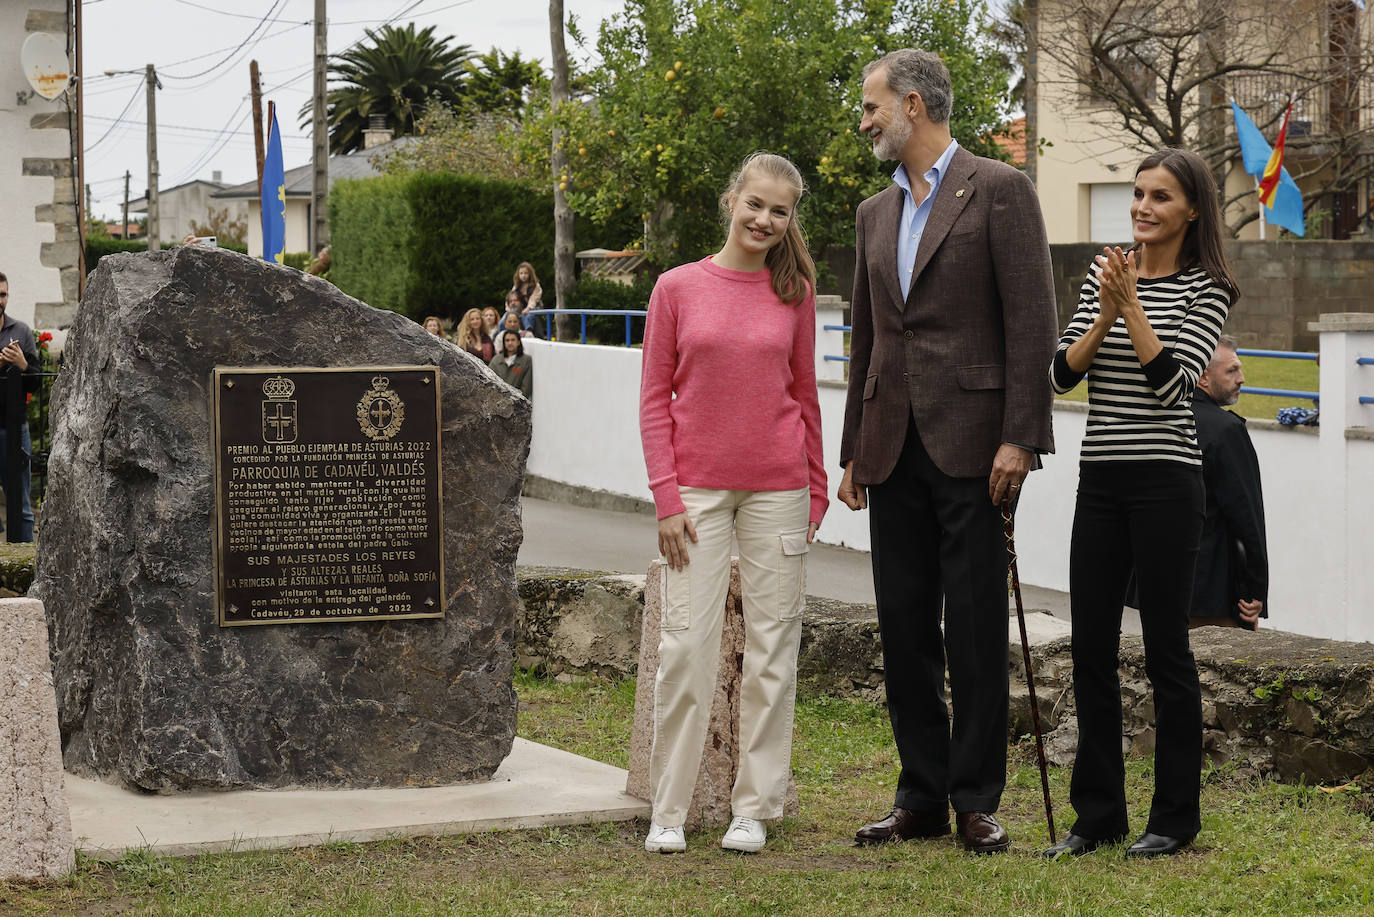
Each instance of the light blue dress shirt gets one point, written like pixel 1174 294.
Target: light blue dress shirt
pixel 914 216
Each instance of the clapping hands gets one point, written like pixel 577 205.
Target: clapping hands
pixel 1116 282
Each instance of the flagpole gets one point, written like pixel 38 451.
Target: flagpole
pixel 1261 208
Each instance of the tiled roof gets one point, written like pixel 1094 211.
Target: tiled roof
pixel 1012 139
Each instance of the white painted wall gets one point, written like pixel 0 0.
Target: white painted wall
pixel 20 234
pixel 1320 523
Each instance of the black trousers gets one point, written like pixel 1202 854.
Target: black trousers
pixel 938 540
pixel 1146 515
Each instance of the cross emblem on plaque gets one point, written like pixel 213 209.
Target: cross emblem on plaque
pixel 280 421
pixel 381 413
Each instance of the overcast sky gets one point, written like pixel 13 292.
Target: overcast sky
pixel 204 120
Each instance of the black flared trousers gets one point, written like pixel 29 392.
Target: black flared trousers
pixel 1147 515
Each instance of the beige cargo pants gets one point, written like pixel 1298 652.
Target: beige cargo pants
pixel 770 527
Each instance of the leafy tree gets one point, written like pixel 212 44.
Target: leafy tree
pixel 467 143
pixel 396 73
pixel 219 224
pixel 685 89
pixel 1156 73
pixel 501 83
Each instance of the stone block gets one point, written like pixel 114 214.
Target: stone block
pixel 711 799
pixel 53 167
pixel 151 691
pixel 53 120
pixel 35 826
pixel 53 314
pixel 45 21
pixel 59 254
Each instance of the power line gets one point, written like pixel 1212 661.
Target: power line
pixel 262 23
pixel 128 105
pixel 211 9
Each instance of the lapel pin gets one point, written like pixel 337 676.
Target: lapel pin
pixel 959 193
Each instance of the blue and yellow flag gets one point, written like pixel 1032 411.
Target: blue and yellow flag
pixel 273 195
pixel 1285 208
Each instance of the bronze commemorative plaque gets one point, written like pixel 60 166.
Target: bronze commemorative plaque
pixel 328 495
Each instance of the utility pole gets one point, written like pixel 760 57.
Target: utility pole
pixel 125 237
pixel 562 213
pixel 154 238
pixel 87 214
pixel 257 119
pixel 319 185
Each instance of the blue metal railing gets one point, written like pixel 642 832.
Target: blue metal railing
pixel 629 314
pixel 833 358
pixel 1365 361
pixel 1244 352
pixel 1278 354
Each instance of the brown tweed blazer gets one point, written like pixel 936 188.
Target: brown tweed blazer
pixel 968 352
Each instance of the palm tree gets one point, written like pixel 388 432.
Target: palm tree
pixel 499 83
pixel 396 73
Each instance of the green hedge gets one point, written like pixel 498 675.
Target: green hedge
pixel 99 248
pixel 590 293
pixel 440 244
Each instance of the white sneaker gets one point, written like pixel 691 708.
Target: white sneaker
pixel 746 834
pixel 665 838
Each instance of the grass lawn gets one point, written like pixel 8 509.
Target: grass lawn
pixel 1260 372
pixel 1265 849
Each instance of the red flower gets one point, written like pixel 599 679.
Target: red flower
pixel 45 337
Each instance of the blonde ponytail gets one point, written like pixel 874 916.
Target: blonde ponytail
pixel 789 262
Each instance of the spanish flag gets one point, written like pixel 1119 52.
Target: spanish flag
pixel 1269 181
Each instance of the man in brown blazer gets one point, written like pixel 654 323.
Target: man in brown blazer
pixel 949 404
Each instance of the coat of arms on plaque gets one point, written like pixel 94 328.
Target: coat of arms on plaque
pixel 381 411
pixel 278 411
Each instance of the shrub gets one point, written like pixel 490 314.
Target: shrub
pixel 592 293
pixel 97 248
pixel 439 244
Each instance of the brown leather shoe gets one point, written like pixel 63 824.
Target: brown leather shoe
pixel 981 833
pixel 903 825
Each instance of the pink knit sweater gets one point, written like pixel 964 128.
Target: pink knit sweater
pixel 742 363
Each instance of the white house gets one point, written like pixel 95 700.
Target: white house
pixel 40 245
pixel 358 164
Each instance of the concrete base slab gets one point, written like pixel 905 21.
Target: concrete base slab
pixel 534 787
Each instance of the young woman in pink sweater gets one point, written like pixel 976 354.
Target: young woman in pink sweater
pixel 736 453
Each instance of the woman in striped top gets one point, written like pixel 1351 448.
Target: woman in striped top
pixel 1146 325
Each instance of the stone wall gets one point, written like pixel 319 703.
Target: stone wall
pixel 1284 285
pixel 1297 708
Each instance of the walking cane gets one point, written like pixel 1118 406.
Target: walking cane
pixel 1014 587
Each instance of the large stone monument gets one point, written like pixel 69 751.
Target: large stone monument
pixel 152 691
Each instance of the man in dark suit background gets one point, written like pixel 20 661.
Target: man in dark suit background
pixel 1231 583
pixel 954 327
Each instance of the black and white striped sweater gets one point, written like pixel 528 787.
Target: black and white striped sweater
pixel 1142 413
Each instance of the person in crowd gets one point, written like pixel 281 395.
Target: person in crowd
pixel 511 322
pixel 18 356
pixel 1231 584
pixel 722 465
pixel 473 338
pixel 1145 329
pixel 948 407
pixel 526 289
pixel 321 264
pixel 434 325
pixel 513 365
pixel 491 322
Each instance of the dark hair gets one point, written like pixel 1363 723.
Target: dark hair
pixel 793 271
pixel 1202 240
pixel 921 72
pixel 3 278
pixel 519 344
